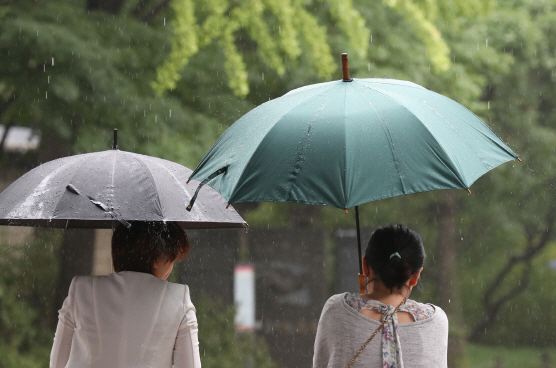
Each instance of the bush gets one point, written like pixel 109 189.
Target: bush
pixel 27 282
pixel 221 346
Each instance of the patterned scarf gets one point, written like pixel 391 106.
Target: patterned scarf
pixel 391 348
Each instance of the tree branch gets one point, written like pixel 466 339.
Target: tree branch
pixel 140 8
pixel 155 11
pixel 493 307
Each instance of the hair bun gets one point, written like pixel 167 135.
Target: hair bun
pixel 384 255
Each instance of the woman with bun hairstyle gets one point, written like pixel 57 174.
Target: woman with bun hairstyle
pixel 132 318
pixel 384 328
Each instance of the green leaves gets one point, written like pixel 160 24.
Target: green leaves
pixel 427 32
pixel 294 31
pixel 185 43
pixel 352 24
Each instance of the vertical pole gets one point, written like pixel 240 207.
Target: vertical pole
pixel 115 146
pixel 358 239
pixel 362 286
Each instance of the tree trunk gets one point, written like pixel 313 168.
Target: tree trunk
pixel 449 285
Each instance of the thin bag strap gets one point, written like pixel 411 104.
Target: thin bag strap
pixel 375 333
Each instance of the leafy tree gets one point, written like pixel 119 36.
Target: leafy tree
pixel 220 20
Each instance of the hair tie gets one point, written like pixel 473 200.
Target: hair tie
pixel 395 255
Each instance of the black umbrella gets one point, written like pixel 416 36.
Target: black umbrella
pixel 94 190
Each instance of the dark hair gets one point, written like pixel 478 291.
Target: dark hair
pixel 394 254
pixel 139 247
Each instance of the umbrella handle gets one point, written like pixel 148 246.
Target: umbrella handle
pixel 362 286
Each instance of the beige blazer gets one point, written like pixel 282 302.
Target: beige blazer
pixel 126 320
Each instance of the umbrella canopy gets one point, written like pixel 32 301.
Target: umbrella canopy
pixel 348 142
pixel 96 189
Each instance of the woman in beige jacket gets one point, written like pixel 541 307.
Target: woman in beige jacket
pixel 132 318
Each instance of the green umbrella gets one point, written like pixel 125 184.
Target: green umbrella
pixel 344 143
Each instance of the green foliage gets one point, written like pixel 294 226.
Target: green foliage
pixel 483 356
pixel 352 24
pixel 219 344
pixel 76 76
pixel 286 29
pixel 27 283
pixel 426 31
pixel 184 44
pixel 516 206
pixel 220 20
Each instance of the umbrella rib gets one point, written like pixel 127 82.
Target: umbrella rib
pixel 71 179
pixel 173 177
pixel 40 189
pixel 458 133
pixel 382 81
pixel 216 147
pixel 457 173
pixel 390 141
pixel 234 191
pixel 455 130
pixel 153 182
pixel 298 163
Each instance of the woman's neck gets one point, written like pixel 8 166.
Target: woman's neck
pixel 378 291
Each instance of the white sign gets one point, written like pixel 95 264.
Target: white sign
pixel 244 297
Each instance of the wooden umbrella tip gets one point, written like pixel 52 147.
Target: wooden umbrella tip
pixel 227 206
pixel 346 211
pixel 518 159
pixel 468 190
pixel 345 68
pixel 187 182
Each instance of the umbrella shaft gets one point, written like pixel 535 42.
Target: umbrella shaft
pixel 358 239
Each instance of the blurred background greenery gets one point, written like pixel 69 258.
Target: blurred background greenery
pixel 172 75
